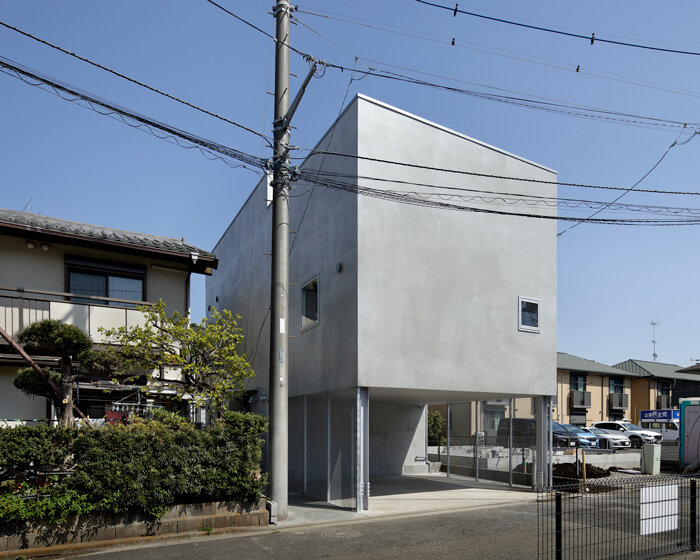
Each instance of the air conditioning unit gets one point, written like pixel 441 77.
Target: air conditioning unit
pixel 580 399
pixel 619 401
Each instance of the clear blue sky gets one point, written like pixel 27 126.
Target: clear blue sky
pixel 612 281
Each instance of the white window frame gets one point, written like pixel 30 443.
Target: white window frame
pixel 527 328
pixel 310 324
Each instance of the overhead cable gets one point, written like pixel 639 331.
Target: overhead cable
pixel 208 147
pixel 673 144
pixel 409 198
pixel 490 175
pixel 134 81
pixel 592 37
pixel 476 47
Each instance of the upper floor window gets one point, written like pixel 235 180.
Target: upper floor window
pixel 309 304
pixel 617 385
pixel 528 314
pixel 577 382
pixel 663 388
pixel 104 279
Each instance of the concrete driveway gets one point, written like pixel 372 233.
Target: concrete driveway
pixel 410 495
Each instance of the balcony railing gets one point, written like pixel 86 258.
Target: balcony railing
pixel 619 401
pixel 580 399
pixel 20 307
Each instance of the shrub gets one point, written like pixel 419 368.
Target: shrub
pixel 144 467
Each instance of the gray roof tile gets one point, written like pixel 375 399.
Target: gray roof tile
pixel 37 223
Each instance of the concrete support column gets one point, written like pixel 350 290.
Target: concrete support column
pixel 543 427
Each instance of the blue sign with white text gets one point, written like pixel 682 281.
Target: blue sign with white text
pixel 665 415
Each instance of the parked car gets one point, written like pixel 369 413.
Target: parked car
pixel 524 434
pixel 561 437
pixel 607 440
pixel 638 436
pixel 585 439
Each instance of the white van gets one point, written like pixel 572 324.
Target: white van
pixel 666 422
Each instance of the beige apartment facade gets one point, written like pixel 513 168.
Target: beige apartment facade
pixel 86 275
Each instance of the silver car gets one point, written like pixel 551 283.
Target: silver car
pixel 607 440
pixel 637 435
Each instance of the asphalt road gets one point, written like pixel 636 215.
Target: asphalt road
pixel 502 532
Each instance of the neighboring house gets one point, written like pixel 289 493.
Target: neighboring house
pixel 396 306
pixel 89 276
pixel 589 391
pixel 658 385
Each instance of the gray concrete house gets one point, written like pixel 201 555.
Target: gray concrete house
pixel 423 288
pixel 86 275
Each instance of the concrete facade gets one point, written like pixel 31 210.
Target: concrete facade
pixel 418 304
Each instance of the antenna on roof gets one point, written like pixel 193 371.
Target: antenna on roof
pixel 653 338
pixel 28 206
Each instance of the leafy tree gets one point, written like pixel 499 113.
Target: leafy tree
pixel 51 337
pixel 436 425
pixel 204 355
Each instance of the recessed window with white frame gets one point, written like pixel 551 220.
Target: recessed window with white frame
pixel 309 304
pixel 528 314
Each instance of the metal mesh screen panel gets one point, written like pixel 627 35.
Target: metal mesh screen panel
pixel 343 449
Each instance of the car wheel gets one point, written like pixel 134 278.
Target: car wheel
pixel 604 444
pixel 636 442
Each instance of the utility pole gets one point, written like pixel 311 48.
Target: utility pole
pixel 278 433
pixel 277 444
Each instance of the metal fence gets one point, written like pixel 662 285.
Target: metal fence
pixel 634 517
pixel 489 440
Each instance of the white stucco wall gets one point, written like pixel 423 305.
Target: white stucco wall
pixel 323 225
pixel 427 300
pixel 396 437
pixel 438 289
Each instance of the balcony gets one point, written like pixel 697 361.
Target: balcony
pixel 619 401
pixel 580 399
pixel 19 308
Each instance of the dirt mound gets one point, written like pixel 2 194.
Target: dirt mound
pixel 572 471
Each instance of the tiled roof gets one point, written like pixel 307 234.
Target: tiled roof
pixel 650 369
pixel 569 362
pixel 44 224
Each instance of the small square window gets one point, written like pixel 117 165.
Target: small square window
pixel 309 304
pixel 528 314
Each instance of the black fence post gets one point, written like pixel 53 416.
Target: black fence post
pixel 693 516
pixel 558 524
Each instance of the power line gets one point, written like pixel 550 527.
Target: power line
pixel 106 108
pixel 454 42
pixel 134 81
pixel 410 198
pixel 306 56
pixel 489 175
pixel 514 198
pixel 542 104
pixel 675 143
pixel 592 38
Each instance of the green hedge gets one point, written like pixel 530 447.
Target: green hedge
pixel 143 467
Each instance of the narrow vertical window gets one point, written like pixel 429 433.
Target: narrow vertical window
pixel 528 315
pixel 309 304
